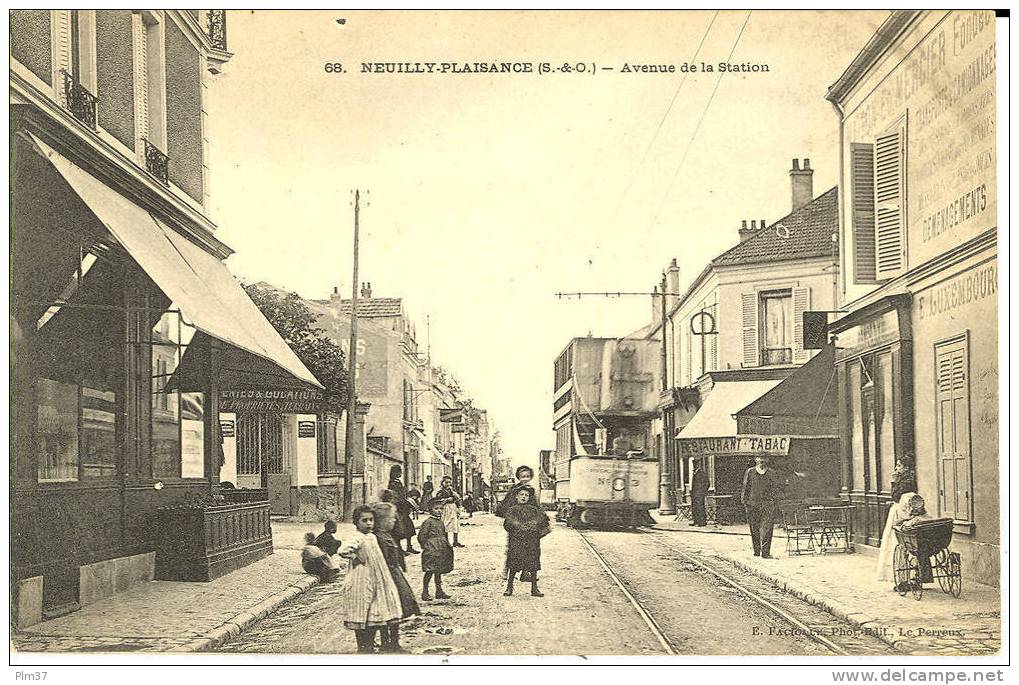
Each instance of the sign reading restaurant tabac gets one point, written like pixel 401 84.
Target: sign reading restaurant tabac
pixel 264 401
pixel 751 445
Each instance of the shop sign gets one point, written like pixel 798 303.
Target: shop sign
pixel 226 428
pixel 263 401
pixel 458 427
pixel 753 445
pixel 454 415
pixel 968 288
pixel 881 330
pixel 306 429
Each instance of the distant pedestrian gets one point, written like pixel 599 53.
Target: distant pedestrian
pixel 469 505
pixel 404 529
pixel 370 598
pixel 385 519
pixel 414 497
pixel 762 489
pixel 699 486
pixel 316 561
pixel 525 525
pixel 427 488
pixel 436 552
pixel 450 509
pixel 325 540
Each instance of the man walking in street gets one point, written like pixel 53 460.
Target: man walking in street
pixel 699 486
pixel 762 488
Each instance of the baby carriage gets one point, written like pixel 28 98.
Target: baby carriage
pixel 922 556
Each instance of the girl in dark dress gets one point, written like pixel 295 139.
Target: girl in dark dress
pixel 385 519
pixel 436 552
pixel 525 525
pixel 404 529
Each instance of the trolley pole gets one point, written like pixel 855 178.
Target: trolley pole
pixel 348 443
pixel 666 493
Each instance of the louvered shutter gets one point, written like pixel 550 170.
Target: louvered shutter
pixel 864 267
pixel 62 52
pixel 801 304
pixel 751 341
pixel 952 368
pixel 889 203
pixel 141 83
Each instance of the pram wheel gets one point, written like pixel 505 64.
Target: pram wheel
pixel 955 579
pixel 903 575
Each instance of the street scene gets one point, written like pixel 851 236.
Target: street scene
pixel 440 335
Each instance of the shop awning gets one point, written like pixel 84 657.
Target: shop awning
pixel 805 403
pixel 199 284
pixel 715 417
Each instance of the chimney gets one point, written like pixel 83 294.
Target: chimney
pixel 672 281
pixel 335 295
pixel 745 233
pixel 802 181
pixel 366 291
pixel 656 307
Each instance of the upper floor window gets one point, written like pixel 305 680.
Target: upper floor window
pixel 878 199
pixel 773 326
pixel 76 48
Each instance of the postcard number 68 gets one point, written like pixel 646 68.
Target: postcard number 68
pixel 334 68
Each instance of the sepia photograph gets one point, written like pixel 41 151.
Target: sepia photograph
pixel 519 336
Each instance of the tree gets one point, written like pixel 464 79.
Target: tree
pixel 295 323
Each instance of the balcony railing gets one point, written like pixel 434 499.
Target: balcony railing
pixel 157 163
pixel 80 102
pixel 216 26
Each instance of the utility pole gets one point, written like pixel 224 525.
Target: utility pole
pixel 348 443
pixel 666 493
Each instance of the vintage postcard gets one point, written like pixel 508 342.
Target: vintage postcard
pixel 348 336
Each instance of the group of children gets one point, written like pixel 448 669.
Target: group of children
pixel 376 594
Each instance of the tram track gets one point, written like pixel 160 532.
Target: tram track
pixel 805 621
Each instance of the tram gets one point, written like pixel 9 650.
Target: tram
pixel 606 491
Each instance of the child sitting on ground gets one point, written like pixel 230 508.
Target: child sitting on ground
pixel 315 561
pixel 436 552
pixel 329 544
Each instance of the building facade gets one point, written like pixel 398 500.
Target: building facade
pixel 125 323
pixel 918 348
pixel 739 326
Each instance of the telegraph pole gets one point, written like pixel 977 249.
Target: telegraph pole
pixel 348 443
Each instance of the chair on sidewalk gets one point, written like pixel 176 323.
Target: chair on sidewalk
pixel 799 534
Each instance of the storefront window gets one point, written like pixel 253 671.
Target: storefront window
pixel 72 320
pixel 886 425
pixel 856 419
pixel 178 418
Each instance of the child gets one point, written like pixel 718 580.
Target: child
pixel 325 539
pixel 524 475
pixel 385 520
pixel 436 552
pixel 370 598
pixel 451 509
pixel 525 525
pixel 315 561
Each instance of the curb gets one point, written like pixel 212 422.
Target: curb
pixel 234 626
pixel 699 531
pixel 852 616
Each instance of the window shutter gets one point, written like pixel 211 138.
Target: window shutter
pixel 61 51
pixel 889 203
pixel 863 212
pixel 801 304
pixel 751 341
pixel 953 431
pixel 141 83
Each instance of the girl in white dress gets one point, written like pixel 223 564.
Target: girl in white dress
pixel 370 598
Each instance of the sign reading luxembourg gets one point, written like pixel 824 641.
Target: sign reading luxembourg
pixel 282 401
pixel 752 445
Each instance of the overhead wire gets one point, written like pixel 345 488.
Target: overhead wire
pixel 697 128
pixel 668 110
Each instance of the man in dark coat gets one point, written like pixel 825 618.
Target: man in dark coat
pixel 699 485
pixel 762 490
pixel 404 529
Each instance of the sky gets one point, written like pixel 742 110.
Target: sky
pixel 490 193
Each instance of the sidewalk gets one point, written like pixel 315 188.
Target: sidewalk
pixel 167 616
pixel 845 586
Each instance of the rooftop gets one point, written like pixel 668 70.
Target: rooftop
pixel 801 234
